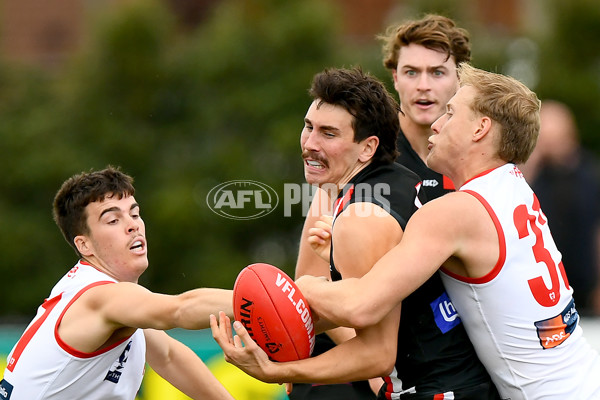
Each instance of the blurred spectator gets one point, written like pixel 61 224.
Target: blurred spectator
pixel 566 179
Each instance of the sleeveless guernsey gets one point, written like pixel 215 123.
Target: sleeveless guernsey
pixel 42 367
pixel 521 316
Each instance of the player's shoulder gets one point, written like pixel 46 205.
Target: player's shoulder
pixel 404 172
pixel 392 172
pixel 451 205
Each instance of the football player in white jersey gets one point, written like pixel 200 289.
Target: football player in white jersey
pixel 93 335
pixel 500 265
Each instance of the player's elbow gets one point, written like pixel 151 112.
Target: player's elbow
pixel 360 316
pixel 388 364
pixel 387 356
pixel 384 363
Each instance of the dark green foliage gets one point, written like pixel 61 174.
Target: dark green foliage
pixel 181 114
pixel 185 111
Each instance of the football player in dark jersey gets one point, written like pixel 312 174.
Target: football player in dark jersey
pixel 421 56
pixel 348 144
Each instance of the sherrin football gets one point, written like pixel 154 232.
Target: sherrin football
pixel 274 312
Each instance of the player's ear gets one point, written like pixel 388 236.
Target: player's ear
pixel 485 127
pixel 369 147
pixel 395 77
pixel 83 245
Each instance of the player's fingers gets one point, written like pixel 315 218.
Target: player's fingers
pixel 323 225
pixel 237 342
pixel 319 233
pixel 326 219
pixel 315 240
pixel 217 334
pixel 225 326
pixel 242 335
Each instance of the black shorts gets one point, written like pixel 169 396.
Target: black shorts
pixel 483 391
pixel 343 391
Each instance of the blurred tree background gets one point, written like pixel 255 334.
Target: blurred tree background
pixel 183 109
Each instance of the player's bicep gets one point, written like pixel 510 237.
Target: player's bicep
pixel 130 305
pixel 431 237
pixel 362 234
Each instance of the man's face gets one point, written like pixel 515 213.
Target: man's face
pixel 330 154
pixel 452 132
pixel 117 237
pixel 425 80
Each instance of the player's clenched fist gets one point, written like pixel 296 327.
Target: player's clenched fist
pixel 319 236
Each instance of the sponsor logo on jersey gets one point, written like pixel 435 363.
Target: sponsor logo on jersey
pixel 114 373
pixel 554 331
pixel 430 182
pixel 5 390
pixel 444 313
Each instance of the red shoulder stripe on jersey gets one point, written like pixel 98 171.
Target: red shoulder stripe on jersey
pixel 48 305
pixel 479 175
pixel 501 246
pixel 342 202
pixel 71 350
pixel 447 183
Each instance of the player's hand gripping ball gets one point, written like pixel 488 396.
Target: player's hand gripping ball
pixel 274 312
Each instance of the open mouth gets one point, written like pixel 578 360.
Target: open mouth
pixel 315 164
pixel 424 103
pixel 138 245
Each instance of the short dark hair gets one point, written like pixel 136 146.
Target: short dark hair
pixel 374 110
pixel 82 189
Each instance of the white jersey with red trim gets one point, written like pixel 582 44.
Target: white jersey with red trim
pixel 42 366
pixel 521 317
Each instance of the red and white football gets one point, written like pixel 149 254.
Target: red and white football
pixel 273 310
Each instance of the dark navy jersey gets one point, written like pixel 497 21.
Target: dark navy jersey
pixel 434 352
pixel 434 184
pixel 393 187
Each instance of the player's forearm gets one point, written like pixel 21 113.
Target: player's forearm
pixel 339 302
pixel 350 361
pixel 198 304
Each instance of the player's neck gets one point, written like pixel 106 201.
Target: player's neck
pixel 474 167
pixel 334 189
pixel 417 136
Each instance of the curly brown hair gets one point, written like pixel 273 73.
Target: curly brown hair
pixel 434 32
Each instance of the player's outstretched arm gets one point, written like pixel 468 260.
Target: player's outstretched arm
pixel 91 320
pixel 181 367
pixel 439 230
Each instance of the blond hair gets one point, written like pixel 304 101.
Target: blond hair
pixel 511 104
